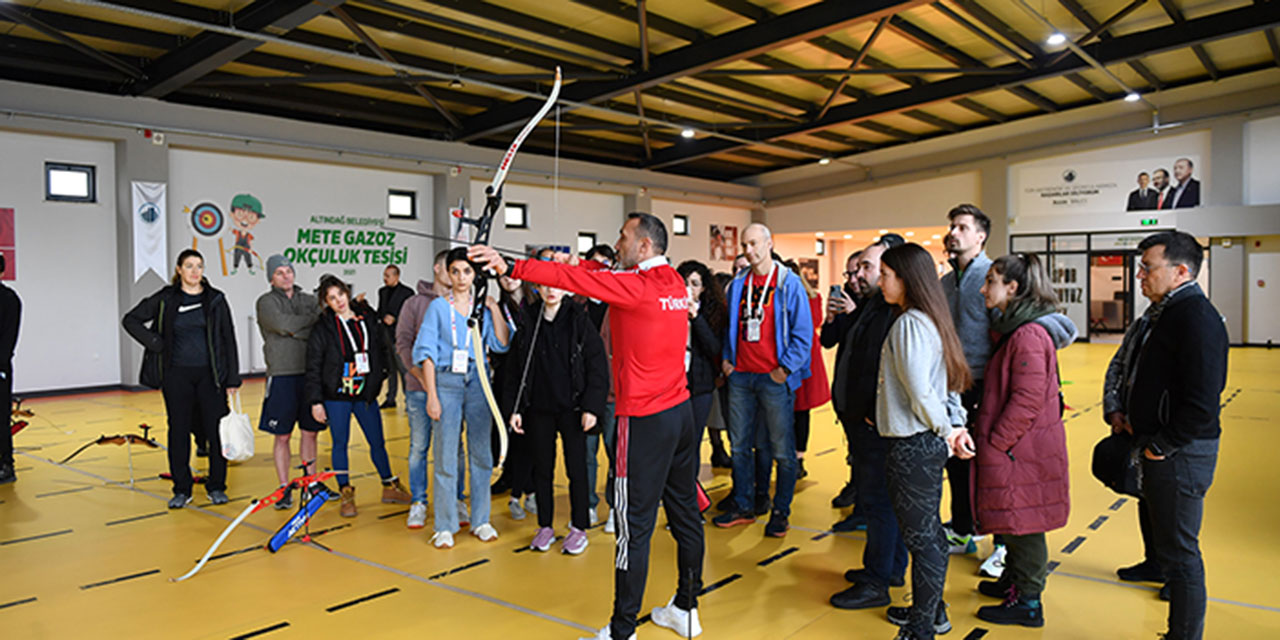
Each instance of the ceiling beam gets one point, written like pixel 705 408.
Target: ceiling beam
pixel 738 44
pixel 1175 14
pixel 853 66
pixel 1275 46
pixel 526 22
pixel 208 51
pixel 1117 50
pixel 1092 23
pixel 18 15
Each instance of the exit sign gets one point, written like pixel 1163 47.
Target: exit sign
pixel 1150 222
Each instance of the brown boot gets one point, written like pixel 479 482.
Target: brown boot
pixel 394 493
pixel 348 502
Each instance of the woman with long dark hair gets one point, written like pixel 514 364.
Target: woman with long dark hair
pixel 815 391
pixel 346 365
pixel 1020 481
pixel 191 357
pixel 707 320
pixel 922 372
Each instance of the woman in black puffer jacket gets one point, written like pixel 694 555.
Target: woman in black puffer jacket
pixel 191 357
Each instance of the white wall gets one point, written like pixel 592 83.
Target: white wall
pixel 600 213
pixel 913 204
pixel 695 246
pixel 291 193
pixel 66 275
pixel 1261 156
pixel 1262 302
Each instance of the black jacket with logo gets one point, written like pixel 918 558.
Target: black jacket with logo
pixel 151 324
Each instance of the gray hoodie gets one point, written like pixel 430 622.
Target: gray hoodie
pixel 912 396
pixel 969 311
pixel 286 324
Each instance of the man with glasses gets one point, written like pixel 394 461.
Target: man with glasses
pixel 1170 403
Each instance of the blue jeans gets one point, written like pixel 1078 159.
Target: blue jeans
pixel 420 425
pixel 462 399
pixel 1174 489
pixel 370 419
pixel 752 395
pixel 609 429
pixel 885 555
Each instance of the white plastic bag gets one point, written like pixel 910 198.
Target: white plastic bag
pixel 236 433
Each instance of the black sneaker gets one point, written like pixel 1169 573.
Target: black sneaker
pixel 1145 571
pixel 1028 613
pixel 901 615
pixel 218 497
pixel 1164 592
pixel 179 500
pixel 801 473
pixel 862 595
pixel 389 404
pixel 726 504
pixel 732 519
pixel 861 575
pixel 777 526
pixel 285 501
pixel 854 522
pixel 845 498
pixel 202 450
pixel 762 504
pixel 334 496
pixel 721 460
pixel 7 474
pixel 995 588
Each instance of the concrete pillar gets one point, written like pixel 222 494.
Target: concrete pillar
pixel 448 190
pixel 137 159
pixel 1227 284
pixel 993 193
pixel 638 202
pixel 1226 163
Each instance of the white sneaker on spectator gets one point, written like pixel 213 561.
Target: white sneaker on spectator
pixel 442 540
pixel 464 514
pixel 517 511
pixel 993 566
pixel 485 532
pixel 606 634
pixel 531 504
pixel 592 516
pixel 678 620
pixel 609 527
pixel 417 515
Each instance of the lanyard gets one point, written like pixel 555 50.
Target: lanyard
pixel 760 307
pixel 453 326
pixel 364 334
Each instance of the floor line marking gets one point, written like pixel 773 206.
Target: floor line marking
pixel 36 537
pixel 823 453
pixel 1143 587
pixel 393 514
pixel 362 599
pixel 140 574
pixel 777 556
pixel 137 518
pixel 1073 545
pixel 64 491
pixel 977 633
pixel 1115 506
pixel 17 602
pixel 264 630
pixel 455 570
pixel 1098 523
pixel 849 536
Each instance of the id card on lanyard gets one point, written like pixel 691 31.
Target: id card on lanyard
pixel 461 357
pixel 361 348
pixel 755 319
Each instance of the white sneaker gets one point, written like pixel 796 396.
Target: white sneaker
pixel 464 514
pixel 531 504
pixel 442 540
pixel 678 620
pixel 417 515
pixel 592 516
pixel 485 532
pixel 608 522
pixel 606 634
pixel 517 511
pixel 993 566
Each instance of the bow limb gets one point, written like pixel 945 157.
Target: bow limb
pixel 252 507
pixel 482 371
pixel 500 176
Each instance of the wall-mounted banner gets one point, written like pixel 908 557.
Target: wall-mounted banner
pixel 1144 184
pixel 8 240
pixel 346 241
pixel 149 238
pixel 723 243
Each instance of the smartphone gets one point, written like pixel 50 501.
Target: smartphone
pixel 836 291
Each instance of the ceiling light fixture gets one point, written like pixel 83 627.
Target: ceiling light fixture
pixel 1056 38
pixel 884 231
pixel 687 133
pixel 819 234
pixel 824 161
pixel 927 242
pixel 455 83
pixel 848 236
pixel 1132 96
pixel 937 237
pixel 910 234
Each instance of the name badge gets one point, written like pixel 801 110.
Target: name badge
pixel 362 363
pixel 688 358
pixel 753 329
pixel 460 359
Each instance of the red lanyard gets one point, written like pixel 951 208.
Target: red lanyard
pixel 360 330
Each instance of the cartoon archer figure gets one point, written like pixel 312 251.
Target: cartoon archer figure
pixel 246 211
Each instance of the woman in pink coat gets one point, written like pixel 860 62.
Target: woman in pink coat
pixel 1020 483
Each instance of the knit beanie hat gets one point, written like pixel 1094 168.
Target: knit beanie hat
pixel 276 261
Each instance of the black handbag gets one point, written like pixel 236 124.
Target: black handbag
pixel 1117 465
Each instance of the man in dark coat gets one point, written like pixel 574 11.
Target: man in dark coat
pixel 390 299
pixel 10 315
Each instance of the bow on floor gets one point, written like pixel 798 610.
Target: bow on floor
pixel 119 439
pixel 254 507
pixel 16 415
pixel 483 225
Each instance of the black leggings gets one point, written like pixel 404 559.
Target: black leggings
pixel 6 397
pixel 540 430
pixel 802 431
pixel 195 405
pixel 914 473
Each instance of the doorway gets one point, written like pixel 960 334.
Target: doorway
pixel 1110 292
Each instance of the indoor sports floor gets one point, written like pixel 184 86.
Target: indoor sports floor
pixel 85 554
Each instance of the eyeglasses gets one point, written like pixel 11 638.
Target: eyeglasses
pixel 1145 268
pixel 850 274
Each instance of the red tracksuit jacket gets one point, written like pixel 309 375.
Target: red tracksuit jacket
pixel 648 325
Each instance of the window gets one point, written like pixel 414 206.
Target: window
pixel 680 225
pixel 820 247
pixel 516 216
pixel 402 204
pixel 70 182
pixel 586 241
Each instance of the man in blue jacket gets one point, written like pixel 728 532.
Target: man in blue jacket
pixel 766 356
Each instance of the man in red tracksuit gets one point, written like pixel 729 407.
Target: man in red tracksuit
pixel 657 444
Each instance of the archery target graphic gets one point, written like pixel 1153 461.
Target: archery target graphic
pixel 207 219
